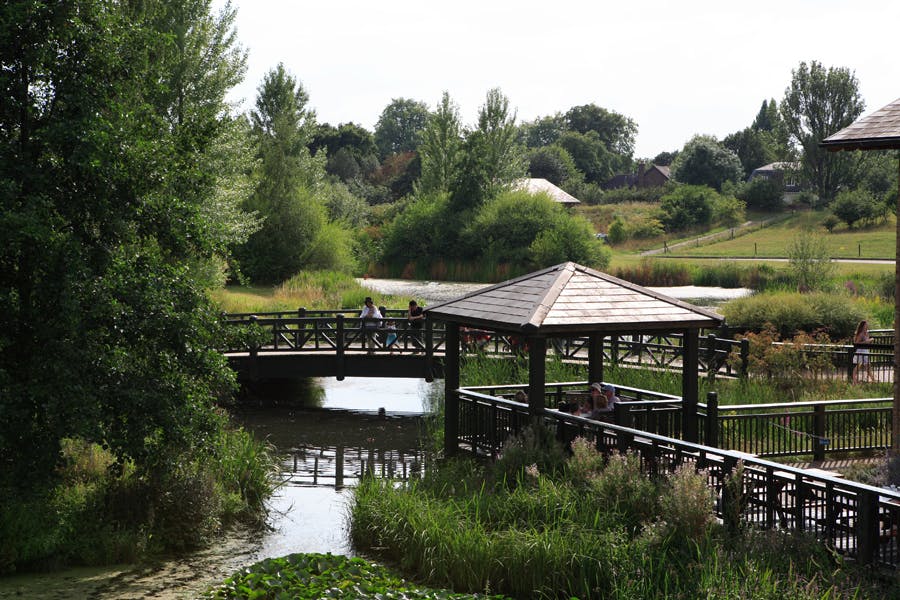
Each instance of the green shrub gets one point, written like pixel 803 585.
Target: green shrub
pixel 790 312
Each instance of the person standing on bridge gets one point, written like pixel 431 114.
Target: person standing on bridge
pixel 415 318
pixel 370 318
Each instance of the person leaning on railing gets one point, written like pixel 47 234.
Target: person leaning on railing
pixel 415 318
pixel 371 319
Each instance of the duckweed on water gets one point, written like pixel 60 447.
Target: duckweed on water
pixel 301 576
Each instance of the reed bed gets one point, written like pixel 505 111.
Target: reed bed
pixel 588 528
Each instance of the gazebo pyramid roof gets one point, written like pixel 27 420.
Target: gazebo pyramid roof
pixel 572 299
pixel 875 131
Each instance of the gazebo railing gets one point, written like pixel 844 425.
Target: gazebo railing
pixel 854 519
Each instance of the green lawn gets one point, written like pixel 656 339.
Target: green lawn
pixel 877 241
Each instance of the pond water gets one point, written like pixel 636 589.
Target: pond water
pixel 440 291
pixel 324 450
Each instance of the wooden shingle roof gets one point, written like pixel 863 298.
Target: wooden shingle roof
pixel 879 130
pixel 570 298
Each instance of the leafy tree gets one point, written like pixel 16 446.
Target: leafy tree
pixel 704 161
pixel 753 147
pixel 400 126
pixel 569 238
pixel 285 196
pixel 687 206
pixel 420 231
pixel 555 165
pixel 531 229
pixel 762 193
pixel 767 119
pixel 440 148
pixel 591 156
pixel 616 132
pixel 350 149
pixel 818 103
pixel 490 159
pixel 664 159
pixel 108 167
pixel 853 206
pixel 543 131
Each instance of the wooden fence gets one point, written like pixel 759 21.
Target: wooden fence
pixel 854 519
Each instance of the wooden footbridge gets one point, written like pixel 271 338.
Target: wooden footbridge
pixel 332 343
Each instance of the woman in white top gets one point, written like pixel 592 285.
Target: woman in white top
pixel 861 355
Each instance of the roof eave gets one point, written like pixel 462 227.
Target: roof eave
pixel 884 143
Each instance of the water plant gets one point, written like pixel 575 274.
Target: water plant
pixel 313 576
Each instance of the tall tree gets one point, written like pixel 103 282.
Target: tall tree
pixel 285 196
pixel 617 132
pixel 544 131
pixel 106 167
pixel 491 158
pixel 399 126
pixel 704 161
pixel 818 103
pixel 441 144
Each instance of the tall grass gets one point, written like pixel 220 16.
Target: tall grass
pixel 595 532
pixel 316 290
pixel 487 271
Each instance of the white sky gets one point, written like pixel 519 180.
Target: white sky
pixel 677 68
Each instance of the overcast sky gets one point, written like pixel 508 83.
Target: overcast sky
pixel 676 68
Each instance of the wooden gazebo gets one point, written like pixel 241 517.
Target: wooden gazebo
pixel 570 300
pixel 879 130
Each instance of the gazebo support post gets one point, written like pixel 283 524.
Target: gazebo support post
pixel 537 373
pixel 895 419
pixel 595 357
pixel 689 385
pixel 451 385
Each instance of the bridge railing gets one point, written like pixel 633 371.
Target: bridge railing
pixel 854 519
pixel 315 330
pixel 331 331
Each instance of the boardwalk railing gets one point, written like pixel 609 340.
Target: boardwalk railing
pixel 857 520
pixel 815 429
pixel 799 428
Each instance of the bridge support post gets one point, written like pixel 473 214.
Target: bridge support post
pixel 451 385
pixel 340 361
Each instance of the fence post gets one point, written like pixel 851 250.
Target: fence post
pixel 254 348
pixel 819 432
pixel 339 350
pixel 851 353
pixel 867 526
pixel 711 434
pixel 745 356
pixel 711 367
pixel 614 349
pixel 623 418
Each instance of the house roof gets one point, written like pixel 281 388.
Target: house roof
pixel 537 186
pixel 879 130
pixel 572 299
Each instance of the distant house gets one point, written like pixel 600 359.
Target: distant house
pixel 536 186
pixel 652 176
pixel 784 173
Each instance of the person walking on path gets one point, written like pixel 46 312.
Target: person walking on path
pixel 861 355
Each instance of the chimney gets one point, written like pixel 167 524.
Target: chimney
pixel 640 174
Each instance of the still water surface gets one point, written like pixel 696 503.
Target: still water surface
pixel 324 449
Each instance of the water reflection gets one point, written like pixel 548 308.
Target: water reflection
pixel 327 434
